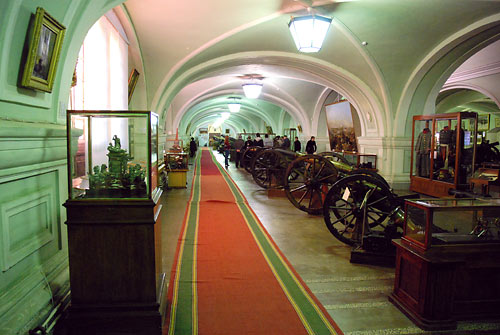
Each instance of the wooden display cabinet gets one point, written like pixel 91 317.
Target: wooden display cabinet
pixel 447 265
pixel 442 158
pixel 177 166
pixel 113 239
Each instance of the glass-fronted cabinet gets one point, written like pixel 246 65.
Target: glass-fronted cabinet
pixel 112 154
pixel 447 265
pixel 176 161
pixel 431 222
pixel 442 152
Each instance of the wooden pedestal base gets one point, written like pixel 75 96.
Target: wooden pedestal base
pixel 113 277
pixel 437 287
pixel 113 319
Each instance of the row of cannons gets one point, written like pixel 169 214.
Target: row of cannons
pixel 358 205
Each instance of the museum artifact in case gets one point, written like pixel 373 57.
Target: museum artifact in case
pixel 113 241
pixel 360 160
pixel 176 166
pixel 442 152
pixel 447 265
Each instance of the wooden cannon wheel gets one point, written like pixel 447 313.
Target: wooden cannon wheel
pixel 307 181
pixel 356 198
pixel 268 168
pixel 246 157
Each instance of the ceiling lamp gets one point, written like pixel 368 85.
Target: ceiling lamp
pixel 252 90
pixel 234 106
pixel 309 31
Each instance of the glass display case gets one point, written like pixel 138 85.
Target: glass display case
pixel 176 161
pixel 112 154
pixel 442 152
pixel 441 222
pixel 174 145
pixel 360 160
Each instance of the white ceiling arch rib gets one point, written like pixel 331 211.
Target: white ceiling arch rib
pixel 210 114
pixel 300 67
pixel 189 109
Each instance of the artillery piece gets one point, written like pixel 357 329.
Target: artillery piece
pixel 247 156
pixel 309 178
pixel 363 212
pixel 268 166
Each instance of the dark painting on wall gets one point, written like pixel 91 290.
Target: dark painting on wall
pixel 341 127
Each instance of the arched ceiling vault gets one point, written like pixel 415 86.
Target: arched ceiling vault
pixel 387 73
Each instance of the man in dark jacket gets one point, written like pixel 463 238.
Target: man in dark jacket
pixel 192 147
pixel 258 142
pixel 296 145
pixel 238 145
pixel 311 146
pixel 286 143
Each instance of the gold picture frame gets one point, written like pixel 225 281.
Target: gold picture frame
pixel 483 122
pixel 45 42
pixel 132 81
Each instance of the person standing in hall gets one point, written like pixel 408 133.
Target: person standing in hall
pixel 238 145
pixel 258 142
pixel 227 148
pixel 311 146
pixel 192 147
pixel 286 143
pixel 296 145
pixel 248 143
pixel 268 142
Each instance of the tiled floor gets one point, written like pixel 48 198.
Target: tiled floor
pixel 354 295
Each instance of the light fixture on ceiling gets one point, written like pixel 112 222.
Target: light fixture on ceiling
pixel 234 106
pixel 309 31
pixel 252 90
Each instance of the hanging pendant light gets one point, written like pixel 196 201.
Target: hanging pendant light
pixel 309 31
pixel 234 105
pixel 252 90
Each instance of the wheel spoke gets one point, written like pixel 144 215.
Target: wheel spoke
pixel 377 201
pixel 301 187
pixel 303 196
pixel 327 177
pixel 320 169
pixel 342 218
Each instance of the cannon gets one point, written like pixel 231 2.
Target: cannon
pixel 268 166
pixel 363 212
pixel 308 179
pixel 247 156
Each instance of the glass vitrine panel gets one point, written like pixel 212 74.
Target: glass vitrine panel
pixel 440 222
pixel 422 148
pixel 110 154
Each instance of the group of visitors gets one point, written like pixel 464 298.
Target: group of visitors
pixel 266 142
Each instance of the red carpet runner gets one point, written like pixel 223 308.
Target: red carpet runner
pixel 229 276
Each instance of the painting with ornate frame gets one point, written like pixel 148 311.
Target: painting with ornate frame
pixel 132 81
pixel 483 122
pixel 45 43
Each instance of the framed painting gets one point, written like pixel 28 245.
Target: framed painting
pixel 132 81
pixel 45 42
pixel 497 122
pixel 483 122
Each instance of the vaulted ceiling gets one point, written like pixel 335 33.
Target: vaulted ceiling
pixel 195 52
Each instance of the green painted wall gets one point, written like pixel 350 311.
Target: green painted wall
pixel 33 185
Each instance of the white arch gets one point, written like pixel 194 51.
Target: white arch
pixel 477 88
pixel 418 74
pixel 315 70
